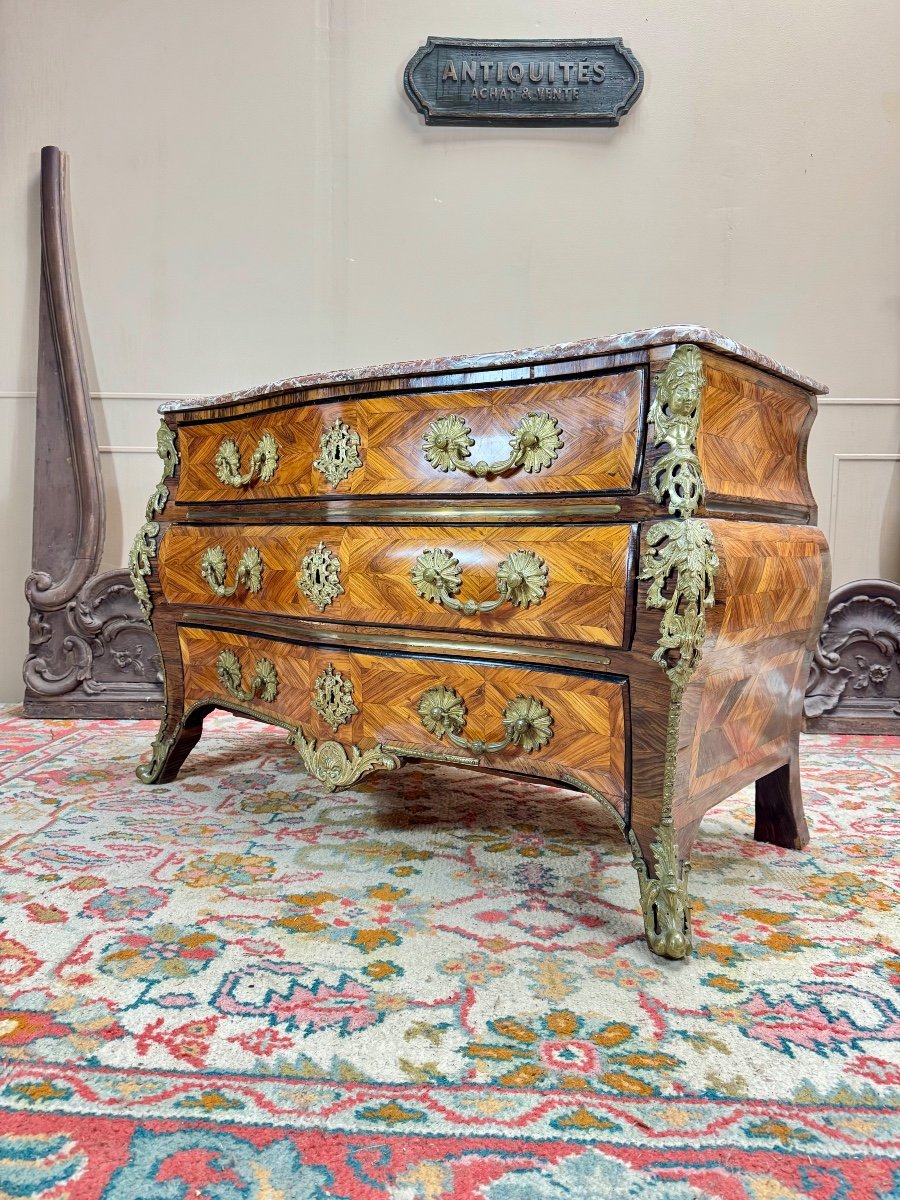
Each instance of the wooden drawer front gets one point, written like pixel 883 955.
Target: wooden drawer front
pixel 587 729
pixel 576 578
pixel 752 438
pixel 597 418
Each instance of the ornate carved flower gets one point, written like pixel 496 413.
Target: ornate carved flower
pixel 250 569
pixel 265 457
pixel 442 711
pixel 528 723
pixel 536 441
pixel 265 680
pixel 436 573
pixel 228 460
pixel 447 441
pixel 228 668
pixel 213 566
pixel 522 578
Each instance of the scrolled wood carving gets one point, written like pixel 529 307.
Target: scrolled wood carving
pixel 90 653
pixel 854 682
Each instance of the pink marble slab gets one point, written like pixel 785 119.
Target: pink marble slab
pixel 641 339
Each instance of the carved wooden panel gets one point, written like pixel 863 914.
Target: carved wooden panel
pixel 588 713
pixel 752 437
pixel 386 435
pixel 854 684
pixel 579 582
pixel 90 652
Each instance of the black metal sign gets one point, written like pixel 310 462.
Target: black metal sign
pixel 589 81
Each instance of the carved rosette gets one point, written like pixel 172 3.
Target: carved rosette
pixel 145 543
pixel 330 763
pixel 320 577
pixel 685 550
pixel 338 453
pixel 522 578
pixel 676 480
pixel 333 698
pixel 436 574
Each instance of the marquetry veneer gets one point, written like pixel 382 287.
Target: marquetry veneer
pixel 593 563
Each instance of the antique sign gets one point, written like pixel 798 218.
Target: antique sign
pixel 589 81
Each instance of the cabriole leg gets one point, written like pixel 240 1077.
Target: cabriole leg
pixel 171 746
pixel 779 807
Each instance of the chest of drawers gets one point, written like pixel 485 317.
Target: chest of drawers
pixel 594 564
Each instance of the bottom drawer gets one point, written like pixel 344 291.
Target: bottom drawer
pixel 521 719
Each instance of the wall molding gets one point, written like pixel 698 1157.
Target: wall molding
pixel 152 397
pixel 836 461
pixel 834 401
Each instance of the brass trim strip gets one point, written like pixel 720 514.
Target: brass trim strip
pixel 292 629
pixel 459 760
pixel 313 511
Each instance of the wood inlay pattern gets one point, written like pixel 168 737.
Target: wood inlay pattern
pixel 775 575
pixel 588 713
pixel 641 610
pixel 588 575
pixel 751 443
pixel 598 415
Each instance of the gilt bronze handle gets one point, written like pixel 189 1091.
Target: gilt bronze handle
pixel 528 722
pixel 263 462
pixel 534 443
pixel 263 682
pixel 521 579
pixel 214 568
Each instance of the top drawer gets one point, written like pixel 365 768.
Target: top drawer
pixel 569 436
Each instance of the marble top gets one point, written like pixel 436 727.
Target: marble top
pixel 640 339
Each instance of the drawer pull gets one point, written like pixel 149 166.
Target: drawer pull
pixel 320 577
pixel 263 684
pixel 338 453
pixel 534 443
pixel 528 722
pixel 214 568
pixel 263 461
pixel 521 579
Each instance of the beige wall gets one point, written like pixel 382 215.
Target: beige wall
pixel 253 196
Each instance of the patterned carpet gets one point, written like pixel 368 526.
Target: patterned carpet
pixel 237 988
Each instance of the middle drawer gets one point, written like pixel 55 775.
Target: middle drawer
pixel 572 583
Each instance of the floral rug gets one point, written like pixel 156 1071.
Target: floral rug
pixel 235 987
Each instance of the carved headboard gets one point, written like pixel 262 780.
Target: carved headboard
pixel 90 652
